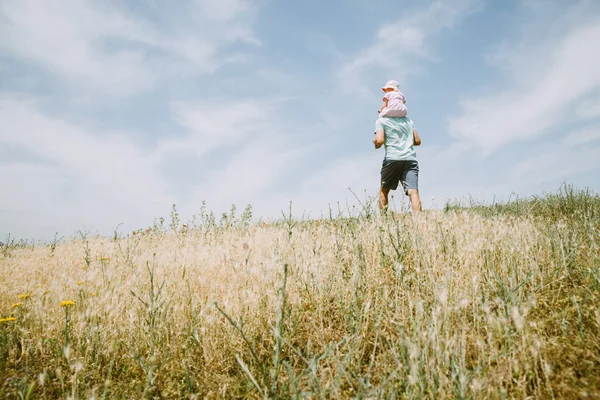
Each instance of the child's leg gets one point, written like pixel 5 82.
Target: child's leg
pixel 383 105
pixel 391 112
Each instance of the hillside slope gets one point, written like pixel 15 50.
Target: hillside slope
pixel 484 301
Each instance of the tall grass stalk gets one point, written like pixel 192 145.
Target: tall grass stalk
pixel 473 301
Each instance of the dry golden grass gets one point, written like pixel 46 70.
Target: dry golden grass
pixel 462 304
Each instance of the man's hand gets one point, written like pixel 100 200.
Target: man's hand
pixel 416 138
pixel 379 138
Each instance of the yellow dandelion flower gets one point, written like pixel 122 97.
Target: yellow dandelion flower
pixel 9 319
pixel 104 259
pixel 80 282
pixel 66 303
pixel 17 305
pixel 24 296
pixel 93 294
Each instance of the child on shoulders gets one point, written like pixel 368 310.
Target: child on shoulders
pixel 393 101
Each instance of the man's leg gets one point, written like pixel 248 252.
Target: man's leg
pixel 415 200
pixel 383 198
pixel 410 182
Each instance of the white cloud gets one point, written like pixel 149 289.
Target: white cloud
pixel 589 108
pixel 555 163
pixel 211 125
pixel 223 10
pixel 264 151
pixel 99 46
pixel 534 101
pixel 583 136
pixel 77 177
pixel 399 45
pixel 331 185
pixel 458 172
pixel 26 181
pixel 96 158
pixel 251 176
pixel 95 178
pixel 256 147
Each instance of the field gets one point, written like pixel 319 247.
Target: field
pixel 478 301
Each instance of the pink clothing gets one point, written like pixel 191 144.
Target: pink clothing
pixel 395 105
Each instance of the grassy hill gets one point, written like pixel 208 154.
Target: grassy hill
pixel 474 301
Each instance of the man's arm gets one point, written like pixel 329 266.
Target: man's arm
pixel 416 137
pixel 379 138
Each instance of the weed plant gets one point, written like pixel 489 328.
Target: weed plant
pixel 471 302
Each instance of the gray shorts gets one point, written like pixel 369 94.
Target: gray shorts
pixel 395 171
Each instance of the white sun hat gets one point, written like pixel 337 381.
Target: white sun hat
pixel 392 85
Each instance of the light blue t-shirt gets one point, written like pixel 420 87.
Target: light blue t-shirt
pixel 399 139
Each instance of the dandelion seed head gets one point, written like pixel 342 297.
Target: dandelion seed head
pixel 547 368
pixel 67 351
pixel 476 385
pixel 42 378
pixel 517 318
pixel 443 296
pixel 77 367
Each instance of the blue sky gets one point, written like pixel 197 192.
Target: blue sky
pixel 110 112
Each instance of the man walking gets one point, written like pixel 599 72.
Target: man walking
pixel 399 136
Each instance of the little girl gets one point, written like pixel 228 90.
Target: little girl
pixel 393 101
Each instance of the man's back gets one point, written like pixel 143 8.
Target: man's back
pixel 399 138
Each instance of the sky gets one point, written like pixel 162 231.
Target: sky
pixel 113 111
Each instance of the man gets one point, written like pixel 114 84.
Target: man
pixel 399 136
